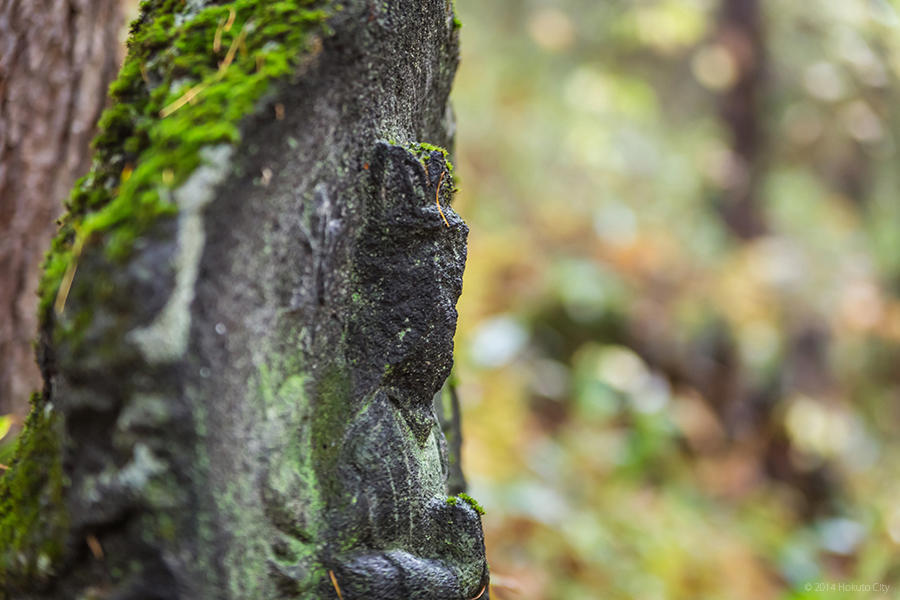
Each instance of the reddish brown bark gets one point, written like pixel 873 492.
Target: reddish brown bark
pixel 57 58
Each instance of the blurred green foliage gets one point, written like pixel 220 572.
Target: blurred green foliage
pixel 657 405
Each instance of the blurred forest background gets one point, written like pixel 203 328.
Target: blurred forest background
pixel 679 341
pixel 679 338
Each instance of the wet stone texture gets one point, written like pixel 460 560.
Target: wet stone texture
pixel 245 401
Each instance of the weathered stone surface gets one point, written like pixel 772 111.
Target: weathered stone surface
pixel 245 394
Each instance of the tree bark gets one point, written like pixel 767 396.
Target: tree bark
pixel 246 315
pixel 57 58
pixel 740 31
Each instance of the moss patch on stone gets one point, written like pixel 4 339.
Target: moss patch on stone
pixel 33 519
pixel 423 150
pixel 457 24
pixel 332 411
pixel 464 497
pixel 222 58
pixel 471 502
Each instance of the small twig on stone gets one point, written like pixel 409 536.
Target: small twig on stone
pixel 94 544
pixel 231 15
pixel 229 57
pixel 480 594
pixel 187 97
pixel 217 39
pixel 66 285
pixel 197 89
pixel 437 199
pixel 334 582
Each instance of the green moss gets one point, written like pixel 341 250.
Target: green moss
pixel 331 411
pixel 454 500
pixel 457 24
pixel 7 451
pixel 141 155
pixel 423 150
pixel 7 440
pixel 33 519
pixel 471 502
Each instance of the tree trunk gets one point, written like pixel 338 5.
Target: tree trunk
pixel 245 316
pixel 57 58
pixel 740 31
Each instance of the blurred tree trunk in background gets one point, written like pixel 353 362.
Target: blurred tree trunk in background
pixel 57 58
pixel 746 411
pixel 740 32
